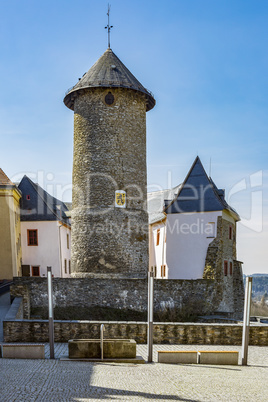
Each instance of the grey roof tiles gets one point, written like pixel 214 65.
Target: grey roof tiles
pixel 198 193
pixel 108 72
pixel 38 205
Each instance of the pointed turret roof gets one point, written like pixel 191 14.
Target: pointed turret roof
pixel 4 180
pixel 108 72
pixel 198 193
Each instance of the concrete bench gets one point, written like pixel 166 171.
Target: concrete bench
pixel 218 357
pixel 23 351
pixel 112 348
pixel 177 357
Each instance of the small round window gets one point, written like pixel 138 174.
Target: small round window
pixel 109 98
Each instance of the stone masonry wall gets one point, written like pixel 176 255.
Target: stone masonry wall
pixel 109 155
pixel 230 287
pixel 114 293
pixel 164 333
pixel 131 294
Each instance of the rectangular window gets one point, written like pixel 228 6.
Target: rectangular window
pixel 32 237
pixel 225 268
pixel 231 268
pixel 69 266
pixel 35 271
pixel 158 237
pixel 155 271
pixel 25 269
pixel 65 266
pixel 163 271
pixel 230 233
pixel 68 242
pixel 28 197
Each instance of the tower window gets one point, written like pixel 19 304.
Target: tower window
pixel 231 268
pixel 230 232
pixel 109 98
pixel 225 268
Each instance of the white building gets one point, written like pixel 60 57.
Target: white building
pixel 157 230
pixel 187 238
pixel 45 232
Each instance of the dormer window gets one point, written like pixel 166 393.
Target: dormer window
pixel 28 197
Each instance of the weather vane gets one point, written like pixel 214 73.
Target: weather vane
pixel 108 27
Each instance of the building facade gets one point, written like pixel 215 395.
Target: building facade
pixel 45 232
pixel 194 236
pixel 10 230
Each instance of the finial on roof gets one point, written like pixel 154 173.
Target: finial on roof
pixel 108 27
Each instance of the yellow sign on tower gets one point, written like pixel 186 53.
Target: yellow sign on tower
pixel 120 199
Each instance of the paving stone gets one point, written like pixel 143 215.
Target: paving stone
pixel 55 380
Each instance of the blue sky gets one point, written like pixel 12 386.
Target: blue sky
pixel 205 61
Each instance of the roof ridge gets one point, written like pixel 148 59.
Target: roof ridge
pixel 184 181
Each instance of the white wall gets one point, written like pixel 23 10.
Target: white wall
pixel 188 237
pixel 157 253
pixel 47 253
pixel 65 251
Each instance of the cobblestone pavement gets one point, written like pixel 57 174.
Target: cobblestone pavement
pixel 55 380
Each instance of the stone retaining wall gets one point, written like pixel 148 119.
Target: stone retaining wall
pixel 164 333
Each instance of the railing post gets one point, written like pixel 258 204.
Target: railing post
pixel 101 339
pixel 150 314
pixel 246 321
pixel 50 312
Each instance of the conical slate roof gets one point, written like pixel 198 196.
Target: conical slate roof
pixel 108 72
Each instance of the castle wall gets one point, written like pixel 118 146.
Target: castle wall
pixel 229 284
pixel 200 296
pixel 109 155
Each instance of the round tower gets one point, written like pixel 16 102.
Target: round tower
pixel 109 205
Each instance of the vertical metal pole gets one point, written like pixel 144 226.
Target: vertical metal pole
pixel 101 339
pixel 150 314
pixel 246 322
pixel 50 312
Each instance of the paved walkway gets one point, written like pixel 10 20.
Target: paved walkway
pixel 55 380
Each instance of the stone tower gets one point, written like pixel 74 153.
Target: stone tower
pixel 109 213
